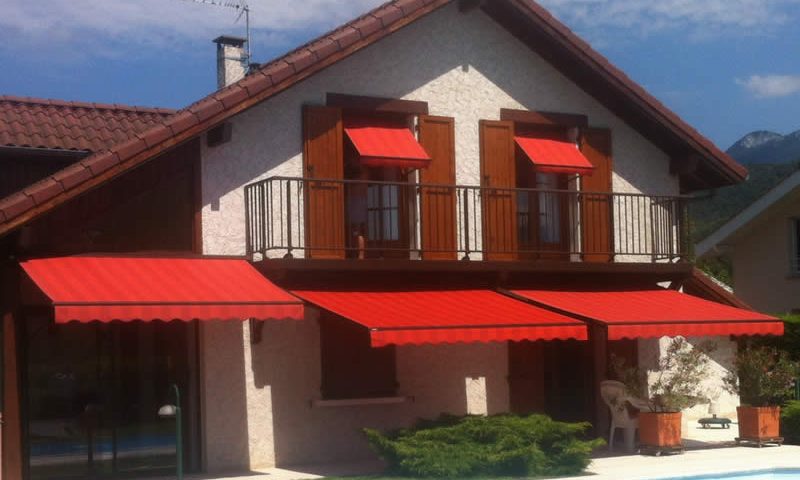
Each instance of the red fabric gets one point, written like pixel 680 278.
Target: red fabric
pixel 554 156
pixel 387 146
pixel 86 289
pixel 656 313
pixel 445 316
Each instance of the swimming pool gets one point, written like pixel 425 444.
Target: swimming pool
pixel 769 474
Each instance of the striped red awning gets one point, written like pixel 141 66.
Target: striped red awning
pixel 387 145
pixel 655 313
pixel 444 316
pixel 104 289
pixel 554 156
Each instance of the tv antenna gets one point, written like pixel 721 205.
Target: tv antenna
pixel 244 10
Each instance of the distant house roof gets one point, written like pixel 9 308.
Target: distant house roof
pixel 58 124
pixel 525 19
pixel 710 245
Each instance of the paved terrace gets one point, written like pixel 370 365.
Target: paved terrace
pixel 708 451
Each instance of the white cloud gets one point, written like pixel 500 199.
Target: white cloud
pixel 102 26
pixel 700 18
pixel 771 86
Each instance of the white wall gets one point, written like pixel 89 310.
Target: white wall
pixel 448 59
pixel 464 66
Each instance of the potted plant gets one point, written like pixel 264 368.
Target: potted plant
pixel 677 385
pixel 763 377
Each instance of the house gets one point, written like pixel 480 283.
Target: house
pixel 441 206
pixel 39 137
pixel 763 244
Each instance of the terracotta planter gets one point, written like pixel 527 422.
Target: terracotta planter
pixel 759 423
pixel 660 429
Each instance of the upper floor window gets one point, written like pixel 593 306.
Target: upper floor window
pixel 795 252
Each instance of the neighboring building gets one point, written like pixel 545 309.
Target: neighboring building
pixel 763 244
pixel 474 207
pixel 39 137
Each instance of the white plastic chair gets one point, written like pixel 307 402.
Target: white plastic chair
pixel 614 395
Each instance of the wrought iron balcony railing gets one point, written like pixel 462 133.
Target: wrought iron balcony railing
pixel 313 218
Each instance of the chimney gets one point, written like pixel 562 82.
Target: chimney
pixel 231 61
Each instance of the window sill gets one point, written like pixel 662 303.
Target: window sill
pixel 355 402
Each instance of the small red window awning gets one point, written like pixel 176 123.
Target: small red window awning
pixel 387 146
pixel 554 156
pixel 655 313
pixel 444 316
pixel 86 289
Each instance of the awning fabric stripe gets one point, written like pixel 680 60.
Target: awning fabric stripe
pixel 655 312
pixel 554 156
pixel 387 145
pixel 86 289
pixel 444 316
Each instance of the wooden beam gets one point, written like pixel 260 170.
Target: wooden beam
pixel 555 119
pixel 598 342
pixel 376 104
pixel 11 413
pixel 465 6
pixel 684 165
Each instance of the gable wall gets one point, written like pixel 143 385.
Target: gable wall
pixel 465 66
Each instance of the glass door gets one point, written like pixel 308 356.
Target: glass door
pixel 93 392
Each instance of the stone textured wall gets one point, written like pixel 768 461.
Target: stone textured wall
pixel 464 66
pixel 447 59
pixel 721 360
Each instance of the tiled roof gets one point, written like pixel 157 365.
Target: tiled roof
pixel 58 124
pixel 308 59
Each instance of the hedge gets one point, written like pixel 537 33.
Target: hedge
pixel 501 445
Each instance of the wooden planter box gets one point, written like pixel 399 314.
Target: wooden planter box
pixel 660 430
pixel 759 423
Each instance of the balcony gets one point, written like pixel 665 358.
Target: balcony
pixel 363 219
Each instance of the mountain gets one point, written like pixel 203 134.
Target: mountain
pixel 766 147
pixel 770 157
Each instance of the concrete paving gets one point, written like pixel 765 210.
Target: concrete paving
pixel 708 451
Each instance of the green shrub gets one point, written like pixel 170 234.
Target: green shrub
pixel 501 445
pixel 790 422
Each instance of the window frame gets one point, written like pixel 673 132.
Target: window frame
pixel 350 367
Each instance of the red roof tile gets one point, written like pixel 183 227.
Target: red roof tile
pixel 58 124
pixel 278 75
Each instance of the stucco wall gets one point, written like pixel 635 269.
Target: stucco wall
pixel 274 421
pixel 464 66
pixel 448 59
pixel 761 262
pixel 720 362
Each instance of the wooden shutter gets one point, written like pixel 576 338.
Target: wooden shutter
pixel 438 204
pixel 323 158
pixel 596 210
pixel 498 175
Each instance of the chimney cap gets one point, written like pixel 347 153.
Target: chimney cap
pixel 230 40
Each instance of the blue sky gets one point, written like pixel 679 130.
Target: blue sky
pixel 726 66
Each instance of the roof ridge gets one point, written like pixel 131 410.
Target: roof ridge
pixel 55 102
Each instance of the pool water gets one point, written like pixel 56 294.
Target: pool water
pixel 773 474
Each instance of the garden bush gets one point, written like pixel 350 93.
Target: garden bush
pixel 790 422
pixel 501 445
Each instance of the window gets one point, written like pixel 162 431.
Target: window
pixel 383 213
pixel 549 208
pixel 351 368
pixel 795 252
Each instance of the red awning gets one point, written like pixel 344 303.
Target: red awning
pixel 554 156
pixel 86 289
pixel 451 316
pixel 655 313
pixel 387 146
